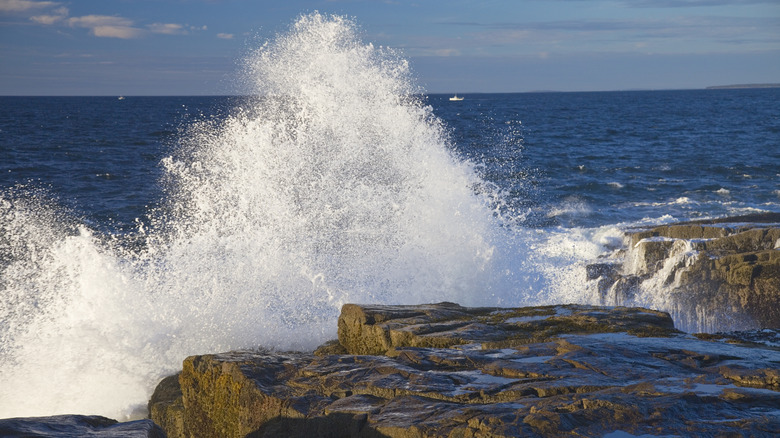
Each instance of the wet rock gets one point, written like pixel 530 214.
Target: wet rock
pixel 649 254
pixel 682 231
pixel 77 426
pixel 621 291
pixel 747 284
pixel 378 329
pixel 601 270
pixel 726 271
pixel 444 370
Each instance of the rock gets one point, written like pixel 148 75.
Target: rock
pixel 443 370
pixel 77 426
pixel 379 329
pixel 166 404
pixel 711 274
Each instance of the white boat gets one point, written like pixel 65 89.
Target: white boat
pixel 121 98
pixel 455 97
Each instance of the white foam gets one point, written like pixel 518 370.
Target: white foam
pixel 682 200
pixel 723 191
pixel 332 185
pixel 570 206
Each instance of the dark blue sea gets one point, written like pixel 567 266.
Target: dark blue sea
pixel 560 159
pixel 592 159
pixel 137 231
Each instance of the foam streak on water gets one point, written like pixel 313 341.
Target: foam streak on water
pixel 332 185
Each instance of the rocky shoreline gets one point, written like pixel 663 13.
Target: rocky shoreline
pixel 708 274
pixel 443 370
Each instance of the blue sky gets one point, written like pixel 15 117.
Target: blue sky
pixel 193 47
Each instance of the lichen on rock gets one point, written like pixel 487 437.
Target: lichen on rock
pixel 442 370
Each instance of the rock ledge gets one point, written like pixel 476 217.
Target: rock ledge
pixel 444 370
pixel 711 273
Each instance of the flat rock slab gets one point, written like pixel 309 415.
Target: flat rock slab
pixel 491 378
pixel 78 426
pixel 371 329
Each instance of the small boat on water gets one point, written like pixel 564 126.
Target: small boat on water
pixel 455 97
pixel 121 98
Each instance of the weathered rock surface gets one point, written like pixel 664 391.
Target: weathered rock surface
pixel 77 426
pixel 443 370
pixel 379 329
pixel 726 269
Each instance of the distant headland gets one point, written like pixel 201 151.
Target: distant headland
pixel 744 86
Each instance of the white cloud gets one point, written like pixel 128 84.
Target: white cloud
pixel 46 19
pixel 56 16
pixel 225 36
pixel 74 55
pixel 167 28
pixel 447 52
pixel 122 32
pixel 24 5
pixel 98 20
pixel 107 26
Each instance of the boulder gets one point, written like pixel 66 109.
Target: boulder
pixel 443 370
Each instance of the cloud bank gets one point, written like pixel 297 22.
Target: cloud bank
pixel 50 13
pixel 24 5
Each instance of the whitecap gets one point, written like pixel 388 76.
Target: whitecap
pixel 570 206
pixel 683 200
pixel 332 183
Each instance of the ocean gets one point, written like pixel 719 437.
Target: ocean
pixel 137 231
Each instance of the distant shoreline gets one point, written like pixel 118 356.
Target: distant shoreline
pixel 744 86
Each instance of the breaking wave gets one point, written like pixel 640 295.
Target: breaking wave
pixel 332 183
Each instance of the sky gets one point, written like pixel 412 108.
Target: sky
pixel 195 47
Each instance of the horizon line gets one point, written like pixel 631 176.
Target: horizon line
pixel 713 87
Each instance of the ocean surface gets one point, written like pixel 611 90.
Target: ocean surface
pixel 137 231
pixel 560 159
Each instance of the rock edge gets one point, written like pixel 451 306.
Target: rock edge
pixel 445 370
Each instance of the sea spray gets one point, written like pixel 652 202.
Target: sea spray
pixel 334 184
pixel 76 330
pixel 331 183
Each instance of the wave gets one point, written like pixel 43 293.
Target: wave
pixel 332 183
